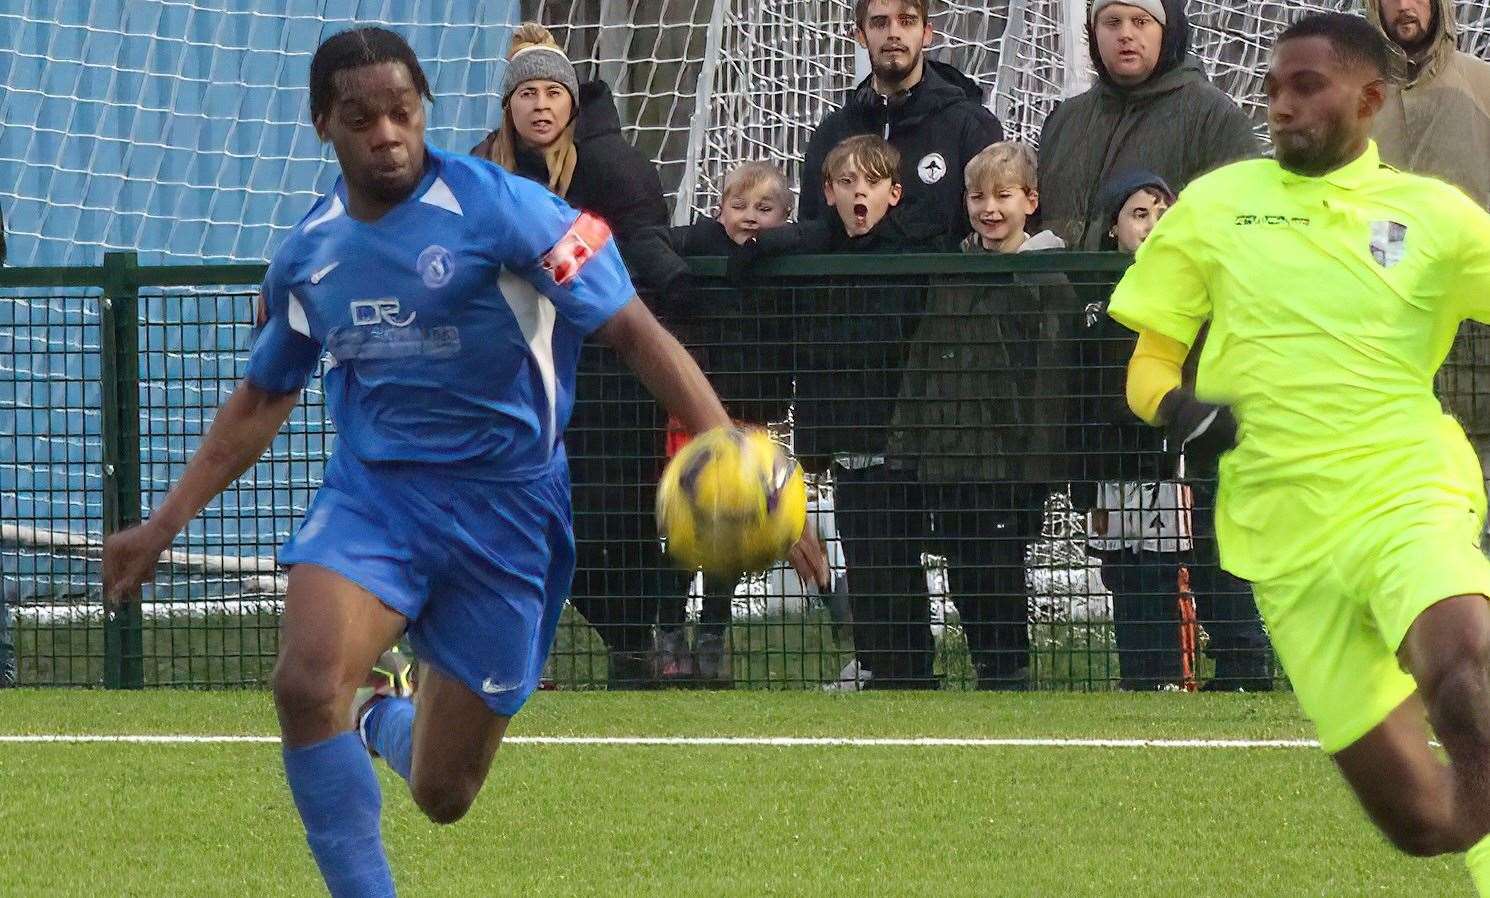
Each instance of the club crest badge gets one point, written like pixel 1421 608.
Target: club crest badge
pixel 436 266
pixel 1388 242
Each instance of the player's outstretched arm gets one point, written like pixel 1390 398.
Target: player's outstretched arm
pixel 669 372
pixel 242 430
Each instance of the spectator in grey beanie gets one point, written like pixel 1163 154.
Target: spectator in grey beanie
pixel 1152 108
pixel 566 135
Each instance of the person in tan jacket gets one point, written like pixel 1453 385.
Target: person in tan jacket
pixel 1437 122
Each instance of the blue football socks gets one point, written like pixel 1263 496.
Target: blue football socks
pixel 337 794
pixel 388 728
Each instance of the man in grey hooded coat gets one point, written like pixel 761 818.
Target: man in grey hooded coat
pixel 1152 109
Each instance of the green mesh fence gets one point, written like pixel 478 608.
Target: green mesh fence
pixel 961 420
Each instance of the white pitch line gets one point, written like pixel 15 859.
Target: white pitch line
pixel 763 741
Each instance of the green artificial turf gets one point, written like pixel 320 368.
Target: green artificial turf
pixel 684 820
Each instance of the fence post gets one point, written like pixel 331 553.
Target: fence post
pixel 119 427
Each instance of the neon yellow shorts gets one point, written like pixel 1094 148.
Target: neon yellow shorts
pixel 1337 625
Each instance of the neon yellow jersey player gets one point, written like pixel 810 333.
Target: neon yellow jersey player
pixel 1334 286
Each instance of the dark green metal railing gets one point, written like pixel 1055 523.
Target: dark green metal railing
pixel 115 370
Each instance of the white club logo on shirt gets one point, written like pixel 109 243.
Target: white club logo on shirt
pixel 932 168
pixel 436 266
pixel 1388 242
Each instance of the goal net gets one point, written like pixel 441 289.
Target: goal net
pixel 179 128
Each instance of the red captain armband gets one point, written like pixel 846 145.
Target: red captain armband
pixel 586 237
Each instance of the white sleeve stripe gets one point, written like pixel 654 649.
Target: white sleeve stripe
pixel 535 314
pixel 296 316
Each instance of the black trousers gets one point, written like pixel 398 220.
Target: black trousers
pixel 887 519
pixel 620 574
pixel 1146 617
pixel 717 610
pixel 615 442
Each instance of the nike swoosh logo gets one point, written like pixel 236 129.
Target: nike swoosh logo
pixel 492 687
pixel 316 278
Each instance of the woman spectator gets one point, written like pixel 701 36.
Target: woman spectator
pixel 567 136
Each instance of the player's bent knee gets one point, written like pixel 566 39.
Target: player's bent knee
pixel 1421 839
pixel 1452 645
pixel 445 803
pixel 1456 690
pixel 300 688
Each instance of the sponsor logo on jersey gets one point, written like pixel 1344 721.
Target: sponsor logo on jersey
pixel 586 237
pixel 436 266
pixel 1272 221
pixel 368 312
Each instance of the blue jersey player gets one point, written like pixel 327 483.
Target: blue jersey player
pixel 447 301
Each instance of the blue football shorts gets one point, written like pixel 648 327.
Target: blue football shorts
pixel 481 569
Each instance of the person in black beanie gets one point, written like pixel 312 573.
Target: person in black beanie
pixel 1145 524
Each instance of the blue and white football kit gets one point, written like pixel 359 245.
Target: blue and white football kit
pixel 451 335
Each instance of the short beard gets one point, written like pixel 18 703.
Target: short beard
pixel 891 74
pixel 1422 44
pixel 391 194
pixel 1317 160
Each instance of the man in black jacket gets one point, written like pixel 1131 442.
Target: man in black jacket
pixel 929 111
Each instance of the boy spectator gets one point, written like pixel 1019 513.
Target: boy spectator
pixel 749 374
pixel 929 111
pixel 1144 524
pixel 1001 194
pixel 862 186
pixel 1152 108
pixel 980 423
pixel 848 343
pixel 755 198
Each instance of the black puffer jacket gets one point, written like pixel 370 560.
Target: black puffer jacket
pixel 849 340
pixel 615 431
pixel 1176 124
pixel 741 339
pixel 937 126
pixel 908 228
pixel 615 181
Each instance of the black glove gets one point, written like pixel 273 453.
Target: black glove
pixel 1201 431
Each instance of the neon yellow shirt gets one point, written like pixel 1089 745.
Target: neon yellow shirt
pixel 1333 301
